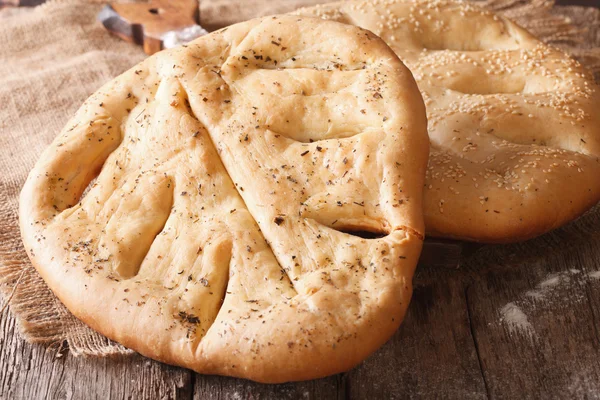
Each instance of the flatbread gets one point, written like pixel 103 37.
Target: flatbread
pixel 514 124
pixel 233 175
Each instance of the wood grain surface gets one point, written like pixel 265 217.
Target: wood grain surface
pixel 528 331
pixel 453 343
pixel 146 23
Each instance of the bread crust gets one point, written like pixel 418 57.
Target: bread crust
pixel 229 172
pixel 513 123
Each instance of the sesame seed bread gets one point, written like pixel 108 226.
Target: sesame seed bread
pixel 231 173
pixel 514 124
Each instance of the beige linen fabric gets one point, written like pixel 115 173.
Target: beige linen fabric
pixel 53 57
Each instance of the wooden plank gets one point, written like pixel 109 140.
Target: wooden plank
pixel 147 23
pixel 435 353
pixel 217 387
pixel 441 253
pixel 584 3
pixel 432 354
pixel 21 3
pixel 536 329
pixel 31 372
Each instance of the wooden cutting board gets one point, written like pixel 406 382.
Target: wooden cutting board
pixel 147 23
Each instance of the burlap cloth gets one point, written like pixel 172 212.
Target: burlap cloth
pixel 54 56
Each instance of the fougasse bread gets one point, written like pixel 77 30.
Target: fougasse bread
pixel 513 123
pixel 232 177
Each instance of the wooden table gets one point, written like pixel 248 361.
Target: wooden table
pixel 462 338
pixel 453 344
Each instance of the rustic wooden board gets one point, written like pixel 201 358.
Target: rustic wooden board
pixel 216 388
pixel 21 3
pixel 558 355
pixel 433 353
pixel 32 372
pixel 146 23
pixel 453 344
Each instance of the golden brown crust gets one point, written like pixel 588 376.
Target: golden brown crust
pixel 513 123
pixel 214 235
